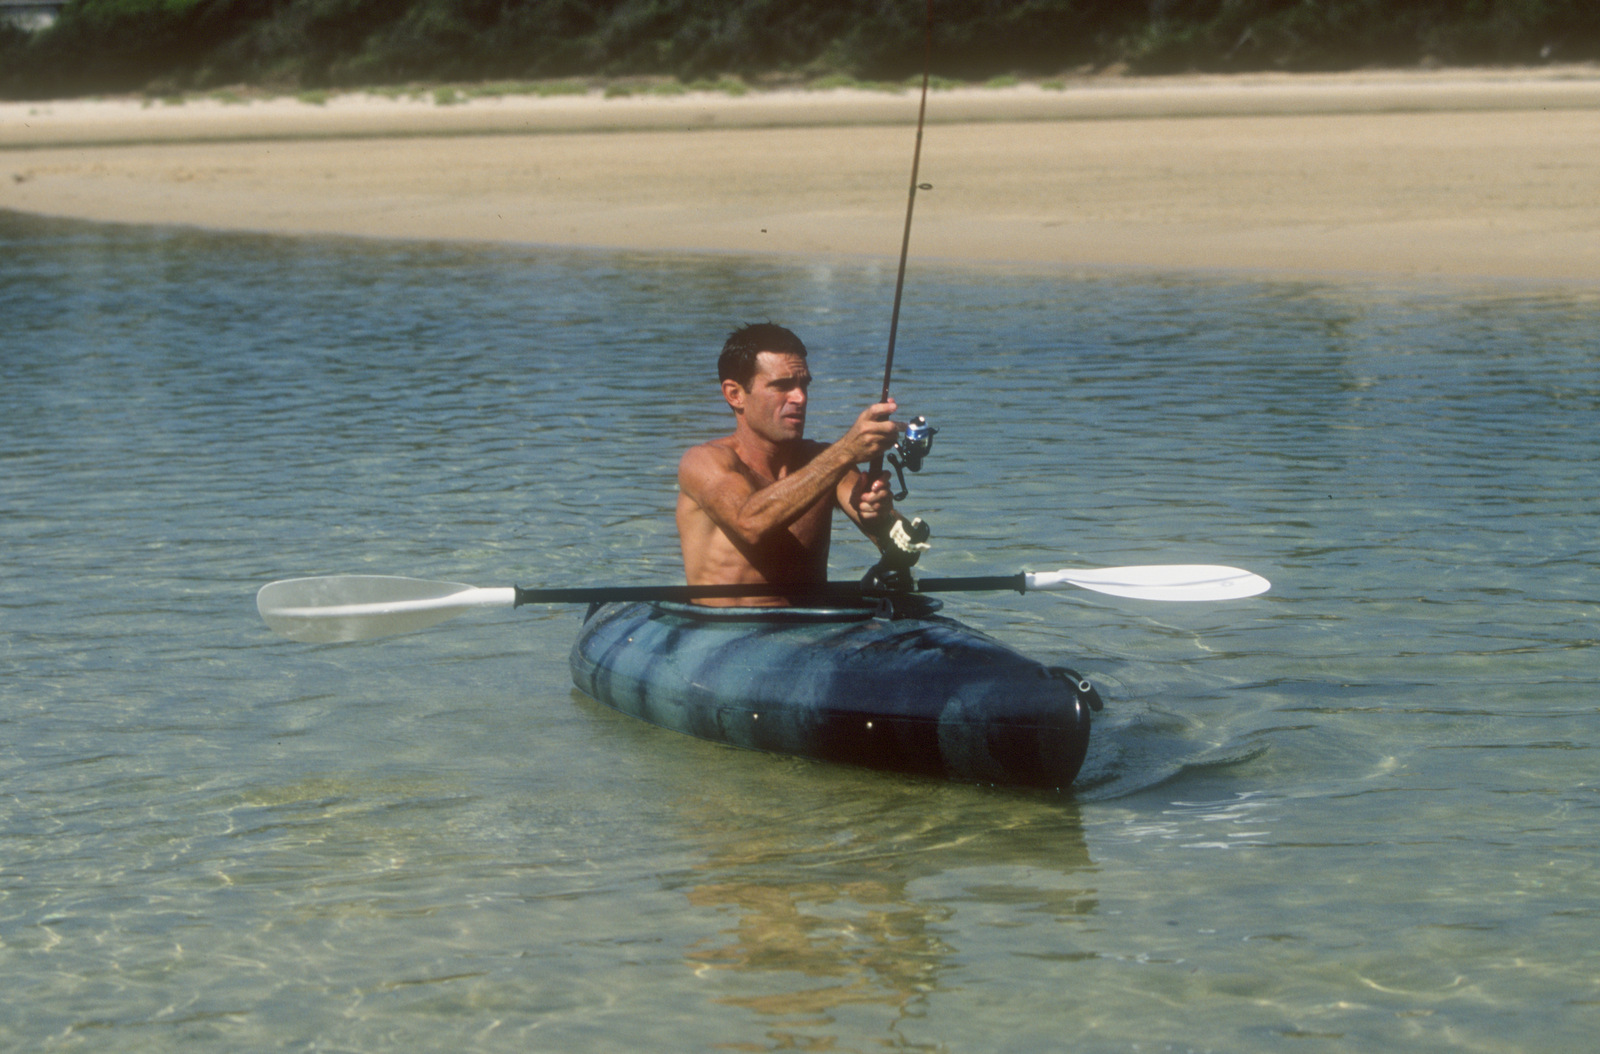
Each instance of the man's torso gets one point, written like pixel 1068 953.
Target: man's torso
pixel 797 553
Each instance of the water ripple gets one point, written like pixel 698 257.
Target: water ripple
pixel 1295 809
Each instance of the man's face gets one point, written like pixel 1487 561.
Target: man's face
pixel 774 406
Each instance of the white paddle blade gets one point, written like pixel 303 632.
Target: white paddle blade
pixel 361 607
pixel 1157 581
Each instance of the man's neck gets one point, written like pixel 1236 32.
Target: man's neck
pixel 771 459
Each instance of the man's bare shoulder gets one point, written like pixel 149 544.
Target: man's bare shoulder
pixel 708 467
pixel 721 446
pixel 718 458
pixel 715 455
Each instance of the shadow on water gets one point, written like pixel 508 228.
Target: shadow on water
pixel 838 886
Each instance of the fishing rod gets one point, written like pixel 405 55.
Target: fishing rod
pixel 911 204
pixel 902 547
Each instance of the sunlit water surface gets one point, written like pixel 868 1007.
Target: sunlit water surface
pixel 1357 813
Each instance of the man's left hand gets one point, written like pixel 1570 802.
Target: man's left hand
pixel 873 503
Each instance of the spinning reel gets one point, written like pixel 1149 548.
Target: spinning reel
pixel 906 541
pixel 912 446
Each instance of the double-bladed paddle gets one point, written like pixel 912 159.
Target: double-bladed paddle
pixel 361 607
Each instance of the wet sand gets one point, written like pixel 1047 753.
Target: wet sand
pixel 1461 174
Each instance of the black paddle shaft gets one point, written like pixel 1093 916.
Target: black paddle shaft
pixel 818 591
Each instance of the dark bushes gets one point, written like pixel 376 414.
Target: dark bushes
pixel 171 45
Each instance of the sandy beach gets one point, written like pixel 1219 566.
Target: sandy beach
pixel 1456 174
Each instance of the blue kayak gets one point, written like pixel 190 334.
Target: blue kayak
pixel 895 687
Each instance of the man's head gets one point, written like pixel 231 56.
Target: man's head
pixel 765 379
pixel 738 359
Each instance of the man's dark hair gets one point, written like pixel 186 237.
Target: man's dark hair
pixel 738 359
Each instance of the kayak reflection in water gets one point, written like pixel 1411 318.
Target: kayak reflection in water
pixel 756 507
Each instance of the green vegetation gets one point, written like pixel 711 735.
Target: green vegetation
pixel 164 47
pixel 566 87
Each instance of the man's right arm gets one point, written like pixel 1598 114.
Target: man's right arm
pixel 712 477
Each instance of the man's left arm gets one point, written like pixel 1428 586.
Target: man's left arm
pixel 869 504
pixel 900 541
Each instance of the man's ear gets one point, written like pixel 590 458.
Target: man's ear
pixel 734 392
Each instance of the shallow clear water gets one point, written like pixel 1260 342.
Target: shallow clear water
pixel 1355 813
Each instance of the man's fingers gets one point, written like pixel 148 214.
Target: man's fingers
pixel 881 411
pixel 875 498
pixel 874 433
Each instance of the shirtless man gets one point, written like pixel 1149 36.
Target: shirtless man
pixel 757 506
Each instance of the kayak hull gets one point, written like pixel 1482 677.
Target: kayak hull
pixel 904 690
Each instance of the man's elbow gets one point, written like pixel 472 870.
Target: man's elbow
pixel 748 535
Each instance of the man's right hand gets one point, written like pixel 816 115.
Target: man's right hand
pixel 872 434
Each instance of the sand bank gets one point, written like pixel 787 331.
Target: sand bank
pixel 1452 173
